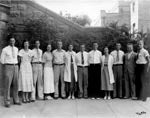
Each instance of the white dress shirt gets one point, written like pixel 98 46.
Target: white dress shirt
pixel 37 55
pixel 114 54
pixel 59 56
pixel 79 59
pixel 9 55
pixel 142 56
pixel 95 57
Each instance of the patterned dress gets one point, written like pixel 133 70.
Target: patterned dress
pixel 25 73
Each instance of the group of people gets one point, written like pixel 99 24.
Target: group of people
pixel 39 75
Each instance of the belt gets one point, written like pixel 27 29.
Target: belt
pixel 95 64
pixel 105 64
pixel 36 62
pixel 118 64
pixel 11 64
pixel 82 66
pixel 59 64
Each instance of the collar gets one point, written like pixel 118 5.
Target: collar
pixel 59 50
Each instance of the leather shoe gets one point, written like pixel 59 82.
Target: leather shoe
pixel 7 105
pixel 17 103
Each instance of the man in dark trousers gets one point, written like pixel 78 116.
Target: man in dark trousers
pixel 94 72
pixel 129 72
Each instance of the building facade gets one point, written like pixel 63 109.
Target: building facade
pixel 122 16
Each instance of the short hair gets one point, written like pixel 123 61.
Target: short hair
pixel 118 43
pixel 129 43
pixel 25 40
pixel 36 41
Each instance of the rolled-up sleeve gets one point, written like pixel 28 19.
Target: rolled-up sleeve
pixel 2 59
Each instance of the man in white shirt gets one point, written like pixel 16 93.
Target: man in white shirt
pixel 59 66
pixel 37 72
pixel 94 72
pixel 82 63
pixel 9 58
pixel 143 65
pixel 118 71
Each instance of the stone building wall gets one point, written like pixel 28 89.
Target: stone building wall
pixel 4 11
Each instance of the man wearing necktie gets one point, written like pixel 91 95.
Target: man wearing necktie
pixel 37 72
pixel 129 72
pixel 82 64
pixel 118 71
pixel 9 58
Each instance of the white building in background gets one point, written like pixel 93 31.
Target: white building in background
pixel 140 16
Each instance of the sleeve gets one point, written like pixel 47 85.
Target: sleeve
pixel 3 54
pixel 146 54
pixel 20 53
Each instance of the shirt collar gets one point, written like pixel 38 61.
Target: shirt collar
pixel 59 50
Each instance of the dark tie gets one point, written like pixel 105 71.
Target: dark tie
pixel 82 57
pixel 71 59
pixel 117 56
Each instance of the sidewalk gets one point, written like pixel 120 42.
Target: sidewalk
pixel 79 108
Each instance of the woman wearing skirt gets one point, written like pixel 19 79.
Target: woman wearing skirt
pixel 107 77
pixel 25 74
pixel 48 73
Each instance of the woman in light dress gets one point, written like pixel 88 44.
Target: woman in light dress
pixel 107 77
pixel 25 73
pixel 48 73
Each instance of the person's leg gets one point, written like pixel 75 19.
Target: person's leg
pixel 115 84
pixel 63 93
pixel 23 97
pixel 120 79
pixel 85 80
pixel 80 81
pixel 109 96
pixel 132 85
pixel 127 81
pixel 97 84
pixel 15 85
pixel 40 81
pixel 56 80
pixel 105 96
pixel 35 75
pixel 8 74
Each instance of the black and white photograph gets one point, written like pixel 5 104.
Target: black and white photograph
pixel 74 58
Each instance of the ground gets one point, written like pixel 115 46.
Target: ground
pixel 79 108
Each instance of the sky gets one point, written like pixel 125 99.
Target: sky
pixel 78 7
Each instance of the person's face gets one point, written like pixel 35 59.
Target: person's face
pixel 37 44
pixel 129 48
pixel 49 47
pixel 12 41
pixel 26 45
pixel 95 46
pixel 59 45
pixel 118 46
pixel 106 51
pixel 70 47
pixel 140 44
pixel 82 48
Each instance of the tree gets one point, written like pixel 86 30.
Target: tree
pixel 82 20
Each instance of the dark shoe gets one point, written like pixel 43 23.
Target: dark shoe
pixel 7 105
pixel 17 103
pixel 32 100
pixel 85 97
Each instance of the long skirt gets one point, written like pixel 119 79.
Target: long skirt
pixel 25 77
pixel 94 80
pixel 48 80
pixel 105 80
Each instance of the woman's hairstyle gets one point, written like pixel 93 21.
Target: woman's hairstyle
pixel 24 42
